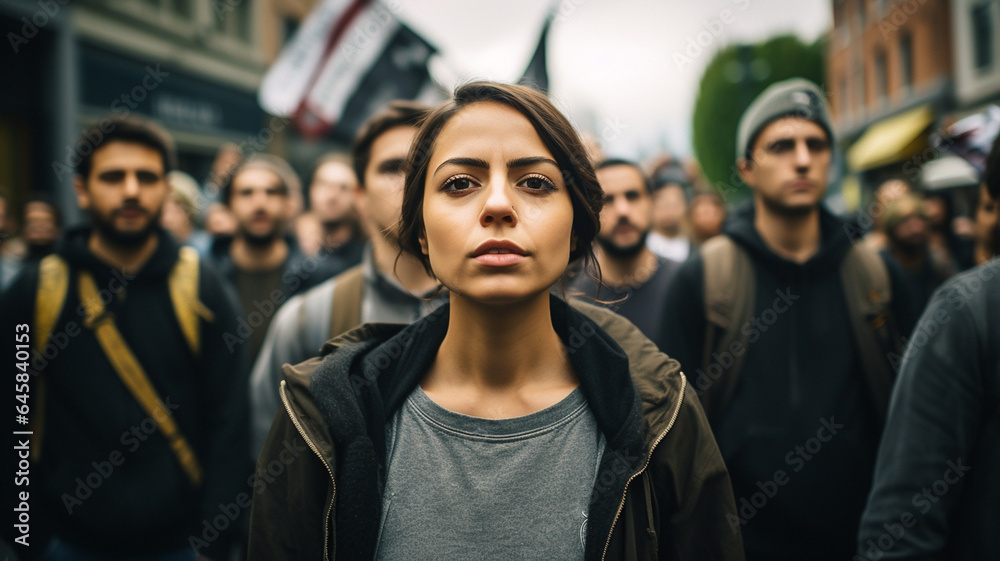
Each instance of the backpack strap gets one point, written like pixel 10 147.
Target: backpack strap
pixel 868 293
pixel 53 283
pixel 729 299
pixel 50 296
pixel 128 368
pixel 347 294
pixel 183 285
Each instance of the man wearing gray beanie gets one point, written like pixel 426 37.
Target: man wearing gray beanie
pixel 785 328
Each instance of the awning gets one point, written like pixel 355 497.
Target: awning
pixel 891 140
pixel 948 172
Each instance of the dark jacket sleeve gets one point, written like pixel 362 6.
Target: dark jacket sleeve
pixel 698 496
pixel 691 488
pixel 224 371
pixel 930 433
pixel 684 320
pixel 291 495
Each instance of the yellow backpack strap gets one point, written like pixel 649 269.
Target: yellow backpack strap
pixel 53 283
pixel 347 301
pixel 127 366
pixel 183 284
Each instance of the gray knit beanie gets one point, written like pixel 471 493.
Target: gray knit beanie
pixel 796 97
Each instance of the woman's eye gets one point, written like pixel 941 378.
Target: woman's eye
pixel 538 183
pixel 457 184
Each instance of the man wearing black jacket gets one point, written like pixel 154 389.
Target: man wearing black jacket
pixel 799 427
pixel 104 479
pixel 935 494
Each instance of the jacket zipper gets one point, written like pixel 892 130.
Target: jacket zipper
pixel 333 495
pixel 649 458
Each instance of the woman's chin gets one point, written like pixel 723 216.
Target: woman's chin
pixel 500 294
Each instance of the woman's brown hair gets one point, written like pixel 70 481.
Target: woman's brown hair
pixel 556 133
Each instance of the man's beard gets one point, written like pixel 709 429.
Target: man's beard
pixel 261 240
pixel 619 251
pixel 335 224
pixel 779 208
pixel 912 247
pixel 125 240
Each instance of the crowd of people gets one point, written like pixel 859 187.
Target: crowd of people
pixel 475 335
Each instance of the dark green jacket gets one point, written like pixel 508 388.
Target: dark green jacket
pixel 662 490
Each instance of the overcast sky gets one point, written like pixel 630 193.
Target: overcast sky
pixel 619 68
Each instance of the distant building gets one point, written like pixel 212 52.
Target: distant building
pixel 890 77
pixel 193 65
pixel 976 30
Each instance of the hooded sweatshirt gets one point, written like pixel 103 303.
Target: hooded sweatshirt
pixel 107 481
pixel 800 434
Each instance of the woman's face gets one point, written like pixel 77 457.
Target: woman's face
pixel 497 214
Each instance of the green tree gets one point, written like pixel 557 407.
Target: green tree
pixel 733 78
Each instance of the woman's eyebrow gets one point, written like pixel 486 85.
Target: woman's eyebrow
pixel 471 162
pixel 515 163
pixel 530 161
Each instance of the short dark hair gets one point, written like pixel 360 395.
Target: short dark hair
pixel 133 130
pixel 611 162
pixel 395 114
pixel 287 177
pixel 671 173
pixel 556 133
pixel 992 174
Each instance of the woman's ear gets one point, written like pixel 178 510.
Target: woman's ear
pixel 422 238
pixel 572 241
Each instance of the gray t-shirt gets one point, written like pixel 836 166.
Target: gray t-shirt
pixel 461 487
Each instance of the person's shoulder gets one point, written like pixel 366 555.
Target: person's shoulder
pixel 22 285
pixel 667 266
pixel 977 288
pixel 646 362
pixel 212 280
pixel 691 271
pixel 297 316
pixel 317 292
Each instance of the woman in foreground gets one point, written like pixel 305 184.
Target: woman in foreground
pixel 508 424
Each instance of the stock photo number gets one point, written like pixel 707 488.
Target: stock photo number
pixel 22 354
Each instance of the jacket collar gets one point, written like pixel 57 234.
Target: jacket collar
pixel 74 248
pixel 390 361
pixel 220 253
pixel 835 242
pixel 358 388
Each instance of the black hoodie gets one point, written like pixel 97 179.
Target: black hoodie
pixel 107 480
pixel 801 432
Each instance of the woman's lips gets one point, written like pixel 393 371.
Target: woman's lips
pixel 499 253
pixel 499 259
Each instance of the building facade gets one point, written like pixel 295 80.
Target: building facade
pixel 890 75
pixel 192 65
pixel 976 31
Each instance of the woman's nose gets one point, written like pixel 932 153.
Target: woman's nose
pixel 499 205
